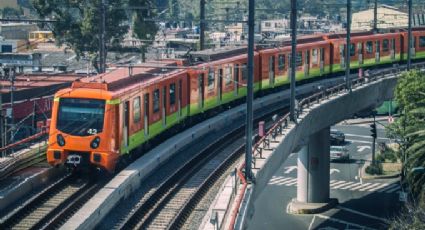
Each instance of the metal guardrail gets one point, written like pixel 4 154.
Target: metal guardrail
pixel 283 123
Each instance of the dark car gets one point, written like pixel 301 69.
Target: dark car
pixel 337 137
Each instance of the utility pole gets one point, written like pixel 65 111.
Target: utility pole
pixel 102 52
pixel 250 93
pixel 293 68
pixel 202 25
pixel 409 36
pixel 375 17
pixel 348 48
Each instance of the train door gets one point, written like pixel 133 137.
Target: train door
pixel 322 61
pixel 164 106
pixel 179 102
pixel 236 79
pixel 220 85
pixel 414 47
pixel 392 52
pixel 360 52
pixel 307 63
pixel 271 70
pixel 146 114
pixel 201 90
pixel 126 128
pixel 377 51
pixel 342 56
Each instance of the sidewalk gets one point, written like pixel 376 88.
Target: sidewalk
pixel 363 120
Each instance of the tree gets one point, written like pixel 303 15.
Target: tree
pixel 78 24
pixel 144 29
pixel 409 130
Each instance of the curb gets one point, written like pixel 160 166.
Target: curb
pixel 366 176
pixel 319 207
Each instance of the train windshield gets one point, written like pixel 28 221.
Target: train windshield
pixel 80 117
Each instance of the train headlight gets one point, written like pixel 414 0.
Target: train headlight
pixel 60 140
pixel 95 143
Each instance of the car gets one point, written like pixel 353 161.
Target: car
pixel 339 153
pixel 337 137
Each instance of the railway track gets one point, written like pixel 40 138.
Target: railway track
pixel 51 207
pixel 171 202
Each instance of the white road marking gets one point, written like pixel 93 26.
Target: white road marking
pixel 292 183
pixel 357 141
pixel 393 190
pixel 379 187
pixel 361 148
pixel 387 188
pixel 289 169
pixel 364 136
pixel 343 222
pixel 363 214
pixel 342 185
pixel 350 186
pixel 311 223
pixel 360 186
pixel 285 182
pixel 334 170
pixel 339 182
pixel 370 186
pixel 280 180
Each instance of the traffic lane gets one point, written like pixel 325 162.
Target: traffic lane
pixel 271 210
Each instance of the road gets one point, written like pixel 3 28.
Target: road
pixel 363 204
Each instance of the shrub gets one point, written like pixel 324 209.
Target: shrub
pixel 375 169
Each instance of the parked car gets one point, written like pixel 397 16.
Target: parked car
pixel 337 137
pixel 339 153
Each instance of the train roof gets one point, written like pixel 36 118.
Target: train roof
pixel 125 77
pixel 216 54
pixel 28 86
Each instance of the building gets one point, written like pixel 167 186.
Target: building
pixel 17 31
pixel 275 27
pixel 388 17
pixel 12 46
pixel 9 3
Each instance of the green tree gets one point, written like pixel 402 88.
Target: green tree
pixel 409 130
pixel 78 24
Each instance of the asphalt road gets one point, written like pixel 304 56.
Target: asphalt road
pixel 363 204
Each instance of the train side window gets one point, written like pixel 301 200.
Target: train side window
pixel 369 47
pixel 299 59
pixel 172 93
pixel 352 50
pixel 422 41
pixel 211 79
pixel 385 45
pixel 156 101
pixel 136 110
pixel 244 71
pixel 228 75
pixel 281 60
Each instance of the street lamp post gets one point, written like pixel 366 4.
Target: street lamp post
pixel 348 48
pixel 293 57
pixel 409 36
pixel 250 93
pixel 202 25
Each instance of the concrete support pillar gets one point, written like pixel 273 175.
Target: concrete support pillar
pixel 313 175
pixel 313 169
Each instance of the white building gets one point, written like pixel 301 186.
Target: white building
pixel 388 17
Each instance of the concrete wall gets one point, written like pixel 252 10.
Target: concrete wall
pixel 322 115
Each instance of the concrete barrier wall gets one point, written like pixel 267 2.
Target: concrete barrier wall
pixel 130 178
pixel 315 118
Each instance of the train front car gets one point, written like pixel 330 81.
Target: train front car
pixel 81 134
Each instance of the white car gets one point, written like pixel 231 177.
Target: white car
pixel 339 153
